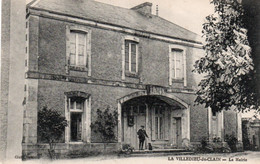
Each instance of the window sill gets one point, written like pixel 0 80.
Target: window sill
pixel 78 68
pixel 131 74
pixel 76 142
pixel 178 80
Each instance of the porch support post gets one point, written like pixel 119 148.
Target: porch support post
pixel 221 125
pixel 147 127
pixel 119 129
pixel 188 122
pixel 239 127
pixel 209 123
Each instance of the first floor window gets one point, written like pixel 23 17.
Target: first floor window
pixel 131 56
pixel 177 66
pixel 78 49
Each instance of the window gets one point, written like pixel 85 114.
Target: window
pixel 78 114
pixel 159 123
pixel 78 49
pixel 177 64
pixel 131 56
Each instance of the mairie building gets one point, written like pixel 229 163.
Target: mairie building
pixel 84 55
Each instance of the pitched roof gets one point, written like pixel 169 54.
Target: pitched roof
pixel 106 13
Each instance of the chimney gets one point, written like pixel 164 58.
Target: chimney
pixel 157 10
pixel 144 8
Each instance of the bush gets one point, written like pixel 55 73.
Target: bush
pixel 127 149
pixel 105 125
pixel 51 126
pixel 232 142
pixel 212 147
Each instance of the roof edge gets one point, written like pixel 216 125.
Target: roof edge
pixel 116 25
pixel 142 5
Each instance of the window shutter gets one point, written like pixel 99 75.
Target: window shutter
pixel 166 123
pixel 184 68
pixel 127 55
pixel 173 53
pixel 68 119
pixel 139 55
pixel 85 121
pixel 133 57
pixel 153 123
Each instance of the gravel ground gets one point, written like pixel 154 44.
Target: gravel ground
pixel 240 157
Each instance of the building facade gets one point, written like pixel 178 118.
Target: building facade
pixel 86 55
pixel 251 133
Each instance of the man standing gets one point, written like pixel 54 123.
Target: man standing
pixel 141 135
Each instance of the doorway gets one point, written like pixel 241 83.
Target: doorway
pixel 177 135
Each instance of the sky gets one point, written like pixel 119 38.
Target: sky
pixel 189 14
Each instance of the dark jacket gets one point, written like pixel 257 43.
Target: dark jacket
pixel 141 134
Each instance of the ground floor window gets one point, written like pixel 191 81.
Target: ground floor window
pixel 76 126
pixel 78 115
pixel 159 128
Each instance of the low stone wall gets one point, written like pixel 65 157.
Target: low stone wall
pixel 68 150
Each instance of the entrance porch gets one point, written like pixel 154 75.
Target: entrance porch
pixel 165 118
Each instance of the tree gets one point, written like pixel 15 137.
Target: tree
pixel 51 126
pixel 228 67
pixel 105 124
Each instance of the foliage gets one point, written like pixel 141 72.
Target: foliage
pixel 216 139
pixel 105 124
pixel 246 143
pixel 212 147
pixel 204 142
pixel 232 142
pixel 127 149
pixel 51 125
pixel 227 65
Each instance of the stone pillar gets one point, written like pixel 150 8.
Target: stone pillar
pixel 30 117
pixel 209 123
pixel 147 125
pixel 220 118
pixel 239 127
pixel 119 130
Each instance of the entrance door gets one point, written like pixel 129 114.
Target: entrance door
pixel 178 132
pixel 177 136
pixel 140 120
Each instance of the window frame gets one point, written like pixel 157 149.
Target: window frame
pixel 87 46
pixel 184 71
pixel 85 115
pixel 129 73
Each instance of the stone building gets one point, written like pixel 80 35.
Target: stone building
pixel 85 55
pixel 251 133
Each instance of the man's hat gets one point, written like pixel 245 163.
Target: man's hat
pixel 142 126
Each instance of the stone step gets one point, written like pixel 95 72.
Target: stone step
pixel 159 152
